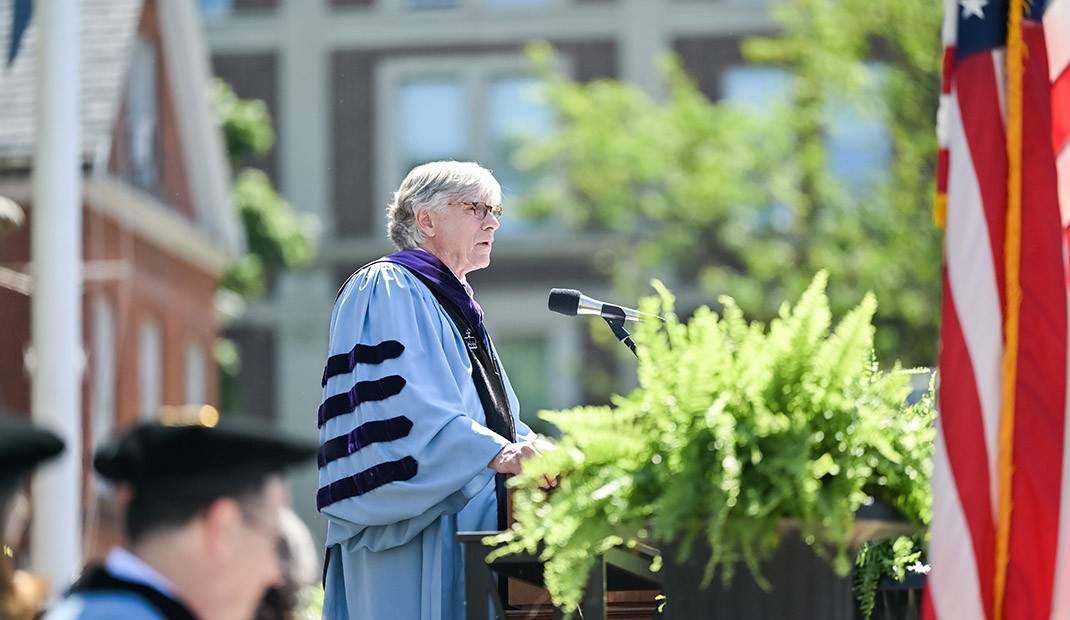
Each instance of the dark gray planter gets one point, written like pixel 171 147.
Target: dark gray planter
pixel 803 585
pixel 898 601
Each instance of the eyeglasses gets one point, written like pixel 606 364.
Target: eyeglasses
pixel 481 209
pixel 271 534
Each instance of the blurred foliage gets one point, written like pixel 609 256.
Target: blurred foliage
pixel 886 559
pixel 734 427
pixel 741 201
pixel 311 603
pixel 889 559
pixel 277 236
pixel 246 124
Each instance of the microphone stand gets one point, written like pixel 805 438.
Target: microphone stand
pixel 617 325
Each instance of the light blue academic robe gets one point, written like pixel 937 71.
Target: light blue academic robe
pixel 393 549
pixel 110 603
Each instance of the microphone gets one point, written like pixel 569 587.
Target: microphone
pixel 572 302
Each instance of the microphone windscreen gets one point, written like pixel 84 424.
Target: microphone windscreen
pixel 564 301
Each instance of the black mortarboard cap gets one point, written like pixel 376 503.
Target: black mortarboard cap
pixel 155 454
pixel 23 445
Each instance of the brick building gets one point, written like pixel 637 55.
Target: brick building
pixel 158 224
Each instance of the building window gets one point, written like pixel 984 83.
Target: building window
pixel 102 405
pixel 516 114
pixel 465 109
pixel 432 120
pixel 858 145
pixel 541 352
pixel 516 3
pixel 196 393
pixel 215 8
pixel 142 119
pixel 756 88
pixel 757 3
pixel 762 90
pixel 450 4
pixel 527 361
pixel 430 4
pixel 150 370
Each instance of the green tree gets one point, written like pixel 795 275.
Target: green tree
pixel 742 201
pixel 277 237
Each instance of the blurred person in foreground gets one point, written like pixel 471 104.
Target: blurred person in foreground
pixel 22 446
pixel 202 524
pixel 291 598
pixel 419 423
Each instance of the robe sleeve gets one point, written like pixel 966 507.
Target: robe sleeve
pixel 416 445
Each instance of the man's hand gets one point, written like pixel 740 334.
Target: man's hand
pixel 508 460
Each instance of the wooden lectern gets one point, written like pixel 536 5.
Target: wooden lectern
pixel 621 584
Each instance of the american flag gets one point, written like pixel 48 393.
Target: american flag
pixel 1000 535
pixel 21 13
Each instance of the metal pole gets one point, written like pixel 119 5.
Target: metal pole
pixel 56 256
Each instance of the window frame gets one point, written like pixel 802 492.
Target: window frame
pixel 521 314
pixel 142 118
pixel 835 111
pixel 476 73
pixel 401 6
pixel 216 9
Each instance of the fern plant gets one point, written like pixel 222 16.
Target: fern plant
pixel 892 558
pixel 734 428
pixel 888 558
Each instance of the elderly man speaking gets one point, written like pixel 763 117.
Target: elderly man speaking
pixel 419 423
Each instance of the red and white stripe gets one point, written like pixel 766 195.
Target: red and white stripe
pixel 962 538
pixel 972 169
pixel 1056 22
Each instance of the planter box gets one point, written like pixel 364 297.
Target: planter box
pixel 620 585
pixel 804 586
pixel 898 601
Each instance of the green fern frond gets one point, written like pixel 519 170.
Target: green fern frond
pixel 734 428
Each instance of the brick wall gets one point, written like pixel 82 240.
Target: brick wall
pixel 149 283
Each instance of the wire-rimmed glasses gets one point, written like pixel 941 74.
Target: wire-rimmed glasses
pixel 481 209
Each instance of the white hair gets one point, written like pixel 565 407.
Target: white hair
pixel 428 187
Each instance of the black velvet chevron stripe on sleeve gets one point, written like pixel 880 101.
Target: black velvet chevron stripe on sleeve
pixel 344 363
pixel 367 480
pixel 368 433
pixel 362 392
